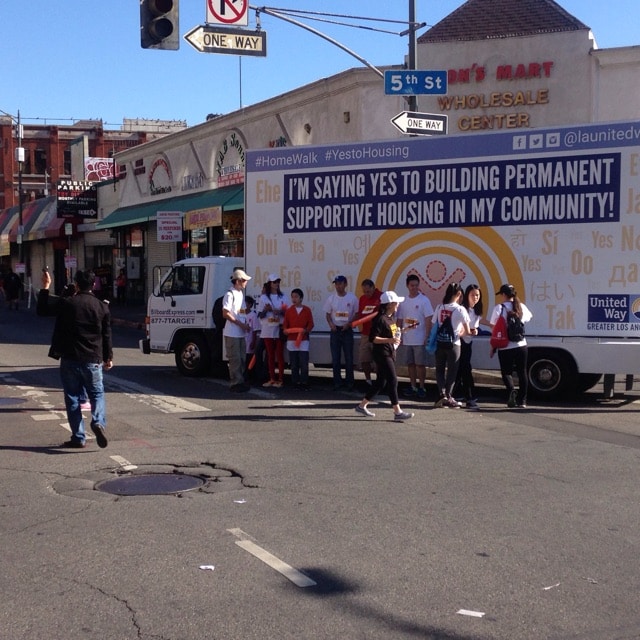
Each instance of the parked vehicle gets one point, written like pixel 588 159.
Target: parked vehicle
pixel 555 212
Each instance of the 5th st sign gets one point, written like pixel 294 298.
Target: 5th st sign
pixel 227 40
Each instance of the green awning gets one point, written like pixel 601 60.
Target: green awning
pixel 229 198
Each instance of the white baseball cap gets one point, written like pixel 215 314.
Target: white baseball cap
pixel 273 278
pixel 390 296
pixel 239 274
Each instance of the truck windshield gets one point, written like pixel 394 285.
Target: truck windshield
pixel 184 281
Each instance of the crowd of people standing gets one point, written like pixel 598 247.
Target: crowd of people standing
pixel 394 331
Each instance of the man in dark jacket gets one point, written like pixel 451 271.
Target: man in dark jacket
pixel 82 341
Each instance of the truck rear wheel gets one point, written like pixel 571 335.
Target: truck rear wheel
pixel 587 381
pixel 192 356
pixel 552 374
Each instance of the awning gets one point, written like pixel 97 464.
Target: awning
pixel 31 213
pixel 47 224
pixel 7 218
pixel 229 198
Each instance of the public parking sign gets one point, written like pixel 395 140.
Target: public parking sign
pixel 229 12
pixel 415 82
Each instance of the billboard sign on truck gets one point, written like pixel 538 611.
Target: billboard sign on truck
pixel 554 212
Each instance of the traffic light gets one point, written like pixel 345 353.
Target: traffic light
pixel 159 24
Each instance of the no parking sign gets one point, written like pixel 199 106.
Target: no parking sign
pixel 233 12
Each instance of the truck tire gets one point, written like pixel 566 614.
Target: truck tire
pixel 552 374
pixel 587 381
pixel 192 356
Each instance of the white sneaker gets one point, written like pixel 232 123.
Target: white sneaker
pixel 364 411
pixel 402 416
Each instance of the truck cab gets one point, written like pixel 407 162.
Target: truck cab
pixel 180 313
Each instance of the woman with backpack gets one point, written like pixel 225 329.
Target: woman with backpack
pixel 514 354
pixel 452 323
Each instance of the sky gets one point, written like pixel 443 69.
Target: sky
pixel 81 59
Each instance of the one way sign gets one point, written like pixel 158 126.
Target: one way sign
pixel 426 124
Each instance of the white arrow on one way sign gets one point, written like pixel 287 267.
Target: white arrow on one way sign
pixel 426 124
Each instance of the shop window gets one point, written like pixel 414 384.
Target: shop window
pixel 232 243
pixel 40 161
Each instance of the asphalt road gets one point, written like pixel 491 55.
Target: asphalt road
pixel 310 521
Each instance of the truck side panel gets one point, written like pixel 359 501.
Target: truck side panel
pixel 555 212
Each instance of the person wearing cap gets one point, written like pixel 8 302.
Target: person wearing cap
pixel 340 310
pixel 385 336
pixel 271 309
pixel 514 355
pixel 236 329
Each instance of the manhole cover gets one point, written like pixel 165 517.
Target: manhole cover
pixel 12 400
pixel 150 484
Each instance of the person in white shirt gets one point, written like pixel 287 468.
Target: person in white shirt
pixel 448 355
pixel 414 317
pixel 514 355
pixel 464 386
pixel 340 310
pixel 236 329
pixel 271 309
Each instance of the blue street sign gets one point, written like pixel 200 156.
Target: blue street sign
pixel 415 82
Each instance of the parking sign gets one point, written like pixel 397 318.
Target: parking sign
pixel 231 12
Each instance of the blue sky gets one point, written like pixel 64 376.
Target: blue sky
pixel 77 59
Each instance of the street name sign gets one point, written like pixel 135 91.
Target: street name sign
pixel 229 12
pixel 426 124
pixel 227 40
pixel 415 82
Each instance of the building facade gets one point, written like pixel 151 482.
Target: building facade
pixel 55 153
pixel 511 64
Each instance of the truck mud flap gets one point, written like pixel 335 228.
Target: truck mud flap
pixel 145 346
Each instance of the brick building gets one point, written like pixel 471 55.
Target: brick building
pixel 55 152
pixel 49 150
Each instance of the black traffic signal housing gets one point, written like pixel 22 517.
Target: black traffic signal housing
pixel 159 24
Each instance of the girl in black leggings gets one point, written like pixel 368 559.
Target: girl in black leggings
pixel 385 337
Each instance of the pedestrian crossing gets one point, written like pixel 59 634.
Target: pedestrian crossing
pixel 47 410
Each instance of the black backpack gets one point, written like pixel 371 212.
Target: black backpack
pixel 445 336
pixel 218 318
pixel 515 327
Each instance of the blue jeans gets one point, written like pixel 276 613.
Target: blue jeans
pixel 76 377
pixel 299 361
pixel 342 342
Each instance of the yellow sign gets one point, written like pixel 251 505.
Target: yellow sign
pixel 200 218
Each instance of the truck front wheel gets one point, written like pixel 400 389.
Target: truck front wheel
pixel 192 356
pixel 552 374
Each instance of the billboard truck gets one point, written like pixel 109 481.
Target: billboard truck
pixel 555 212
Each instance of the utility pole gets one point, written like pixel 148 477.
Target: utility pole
pixel 20 157
pixel 413 46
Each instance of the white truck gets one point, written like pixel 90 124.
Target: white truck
pixel 555 212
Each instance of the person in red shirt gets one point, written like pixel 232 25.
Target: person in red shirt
pixel 368 303
pixel 298 316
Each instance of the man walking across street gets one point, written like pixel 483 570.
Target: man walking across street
pixel 82 342
pixel 235 329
